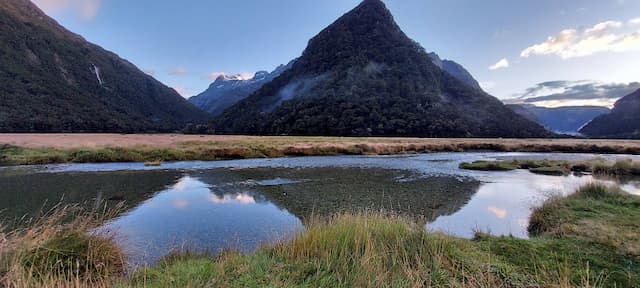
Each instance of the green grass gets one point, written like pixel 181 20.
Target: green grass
pixel 489 166
pixel 597 166
pixel 585 240
pixel 588 239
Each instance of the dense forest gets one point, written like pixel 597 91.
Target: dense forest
pixel 363 76
pixel 53 80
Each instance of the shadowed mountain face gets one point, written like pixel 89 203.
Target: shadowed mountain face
pixel 229 90
pixel 456 70
pixel 622 122
pixel 363 76
pixel 54 80
pixel 568 120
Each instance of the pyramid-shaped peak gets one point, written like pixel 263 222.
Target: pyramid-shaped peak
pixel 372 9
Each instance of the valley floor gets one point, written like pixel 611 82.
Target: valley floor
pixel 24 149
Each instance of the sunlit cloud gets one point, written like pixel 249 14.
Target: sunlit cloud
pixel 574 93
pixel 602 37
pixel 503 63
pixel 499 212
pixel 180 203
pixel 229 76
pixel 240 198
pixel 86 9
pixel 635 21
pixel 182 90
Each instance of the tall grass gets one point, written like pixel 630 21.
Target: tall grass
pixel 588 239
pixel 61 248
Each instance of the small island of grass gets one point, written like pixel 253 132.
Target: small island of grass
pixel 598 166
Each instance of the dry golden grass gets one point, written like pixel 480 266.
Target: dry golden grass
pixel 61 248
pixel 20 149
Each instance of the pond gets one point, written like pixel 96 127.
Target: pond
pixel 242 204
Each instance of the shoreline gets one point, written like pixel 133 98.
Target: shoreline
pixel 585 239
pixel 29 149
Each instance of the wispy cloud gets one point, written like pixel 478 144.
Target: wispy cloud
pixel 635 21
pixel 182 90
pixel 486 85
pixel 574 93
pixel 86 9
pixel 503 63
pixel 602 37
pixel 150 72
pixel 178 71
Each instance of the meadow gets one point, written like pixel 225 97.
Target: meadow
pixel 26 149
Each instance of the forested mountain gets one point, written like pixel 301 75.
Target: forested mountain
pixel 622 122
pixel 226 91
pixel 54 80
pixel 567 120
pixel 454 69
pixel 363 76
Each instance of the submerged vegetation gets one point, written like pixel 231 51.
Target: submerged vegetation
pixel 588 239
pixel 598 166
pixel 239 147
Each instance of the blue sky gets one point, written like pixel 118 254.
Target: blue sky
pixel 183 43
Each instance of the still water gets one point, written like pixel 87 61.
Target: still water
pixel 212 206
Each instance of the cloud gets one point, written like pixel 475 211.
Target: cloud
pixel 499 212
pixel 635 21
pixel 238 76
pixel 571 43
pixel 182 90
pixel 574 93
pixel 486 85
pixel 503 63
pixel 86 9
pixel 178 71
pixel 150 72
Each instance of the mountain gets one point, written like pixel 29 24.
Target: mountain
pixel 622 122
pixel 454 69
pixel 54 80
pixel 363 76
pixel 226 91
pixel 566 120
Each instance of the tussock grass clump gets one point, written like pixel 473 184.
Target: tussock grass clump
pixel 603 214
pixel 60 249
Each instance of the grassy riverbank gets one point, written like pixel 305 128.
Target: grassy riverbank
pixel 598 166
pixel 25 149
pixel 588 239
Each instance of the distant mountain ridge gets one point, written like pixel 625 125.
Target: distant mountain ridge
pixel 363 76
pixel 53 80
pixel 622 122
pixel 565 120
pixel 226 91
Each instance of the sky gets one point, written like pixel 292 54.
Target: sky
pixel 543 52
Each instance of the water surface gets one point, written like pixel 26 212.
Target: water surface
pixel 212 206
